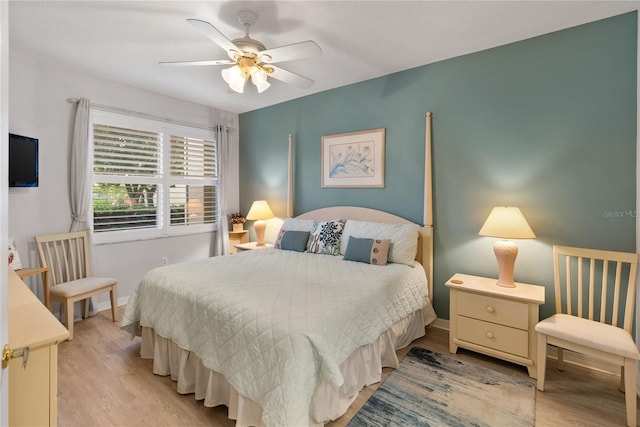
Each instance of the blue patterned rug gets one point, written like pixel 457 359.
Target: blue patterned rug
pixel 431 389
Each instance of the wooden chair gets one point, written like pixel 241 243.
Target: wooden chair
pixel 67 257
pixel 594 329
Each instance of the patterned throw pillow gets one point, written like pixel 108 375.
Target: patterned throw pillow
pixel 370 251
pixel 325 237
pixel 278 243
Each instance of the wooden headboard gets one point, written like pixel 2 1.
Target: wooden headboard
pixel 425 240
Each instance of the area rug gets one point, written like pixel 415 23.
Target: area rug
pixel 431 389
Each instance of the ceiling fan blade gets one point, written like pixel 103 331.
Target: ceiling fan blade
pixel 213 34
pixel 291 78
pixel 289 52
pixel 189 63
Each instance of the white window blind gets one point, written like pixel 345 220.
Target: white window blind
pixel 194 167
pixel 151 178
pixel 192 157
pixel 120 151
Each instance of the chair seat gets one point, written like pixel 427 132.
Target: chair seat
pixel 81 286
pixel 589 333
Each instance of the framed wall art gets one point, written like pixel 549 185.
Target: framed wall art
pixel 354 159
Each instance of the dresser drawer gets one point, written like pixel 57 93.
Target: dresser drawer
pixel 491 335
pixel 495 310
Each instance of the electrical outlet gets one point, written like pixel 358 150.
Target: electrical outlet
pixel 163 260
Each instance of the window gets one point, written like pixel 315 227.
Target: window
pixel 151 178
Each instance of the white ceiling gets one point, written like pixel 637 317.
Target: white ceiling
pixel 124 40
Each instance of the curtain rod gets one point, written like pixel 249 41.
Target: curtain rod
pixel 148 116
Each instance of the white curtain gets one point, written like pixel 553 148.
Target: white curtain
pixel 221 239
pixel 80 181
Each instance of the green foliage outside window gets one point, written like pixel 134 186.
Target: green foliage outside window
pixel 126 206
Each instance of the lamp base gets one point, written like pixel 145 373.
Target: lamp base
pixel 506 252
pixel 259 227
pixel 506 285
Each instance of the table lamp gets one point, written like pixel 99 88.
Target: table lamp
pixel 259 211
pixel 506 223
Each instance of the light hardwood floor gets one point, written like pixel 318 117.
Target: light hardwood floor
pixel 102 381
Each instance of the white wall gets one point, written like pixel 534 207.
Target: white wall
pixel 38 90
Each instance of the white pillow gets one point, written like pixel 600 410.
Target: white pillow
pixel 296 224
pixel 403 237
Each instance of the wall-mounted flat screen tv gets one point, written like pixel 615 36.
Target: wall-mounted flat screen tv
pixel 23 161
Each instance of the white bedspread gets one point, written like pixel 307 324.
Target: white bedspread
pixel 275 322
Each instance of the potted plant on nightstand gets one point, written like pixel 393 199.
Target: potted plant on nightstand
pixel 237 221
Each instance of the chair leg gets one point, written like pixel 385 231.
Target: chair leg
pixel 622 388
pixel 85 307
pixel 630 381
pixel 542 360
pixel 114 297
pixel 560 359
pixel 69 308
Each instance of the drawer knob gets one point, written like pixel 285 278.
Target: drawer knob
pixel 490 309
pixel 490 335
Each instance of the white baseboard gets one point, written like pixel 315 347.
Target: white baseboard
pixel 104 305
pixel 584 361
pixel 440 324
pixel 552 352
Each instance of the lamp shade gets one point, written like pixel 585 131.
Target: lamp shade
pixel 507 223
pixel 235 78
pixel 259 79
pixel 260 210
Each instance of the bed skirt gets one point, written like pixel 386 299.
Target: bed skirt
pixel 363 367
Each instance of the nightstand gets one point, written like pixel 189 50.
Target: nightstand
pixel 251 246
pixel 237 237
pixel 494 320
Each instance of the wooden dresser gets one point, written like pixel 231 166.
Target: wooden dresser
pixel 32 387
pixel 493 320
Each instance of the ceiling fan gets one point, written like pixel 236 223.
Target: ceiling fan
pixel 250 58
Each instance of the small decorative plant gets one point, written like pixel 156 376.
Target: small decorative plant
pixel 237 218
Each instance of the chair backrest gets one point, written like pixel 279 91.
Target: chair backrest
pixel 595 284
pixel 66 255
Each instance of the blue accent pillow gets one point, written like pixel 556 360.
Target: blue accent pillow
pixel 294 240
pixel 370 251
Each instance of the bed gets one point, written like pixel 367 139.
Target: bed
pixel 289 335
pixel 293 338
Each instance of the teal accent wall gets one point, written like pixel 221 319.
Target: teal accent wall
pixel 547 124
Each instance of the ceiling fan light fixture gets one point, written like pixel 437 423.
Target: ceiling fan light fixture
pixel 262 86
pixel 250 57
pixel 259 79
pixel 235 78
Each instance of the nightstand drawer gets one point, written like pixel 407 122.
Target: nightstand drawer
pixel 495 310
pixel 498 337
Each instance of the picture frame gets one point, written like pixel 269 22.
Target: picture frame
pixel 354 159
